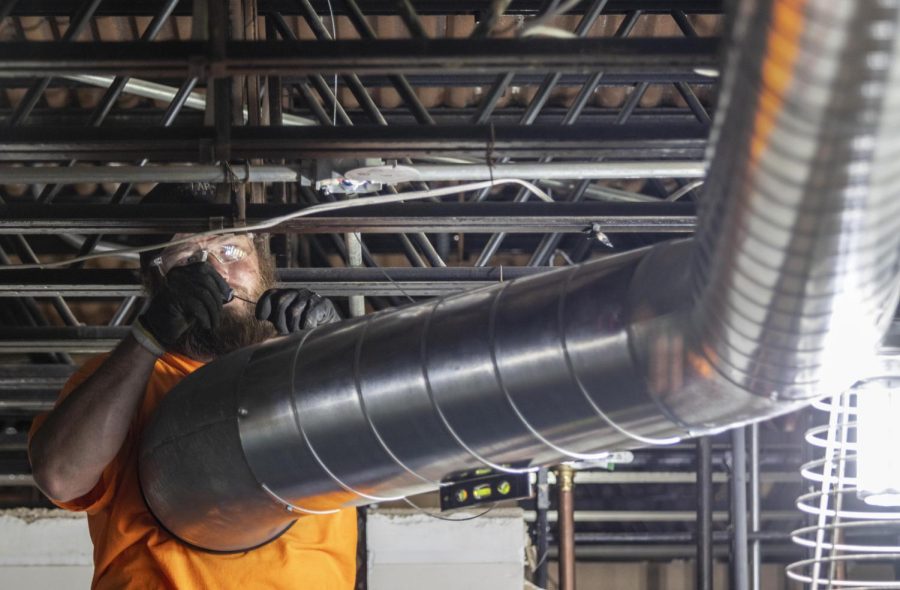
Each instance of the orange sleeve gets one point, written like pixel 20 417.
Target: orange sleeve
pixel 101 493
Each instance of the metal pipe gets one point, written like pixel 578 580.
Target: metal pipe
pixel 755 481
pixel 673 477
pixel 355 260
pixel 165 93
pixel 704 555
pixel 739 558
pixel 685 516
pixel 759 316
pixel 719 537
pixel 541 528
pixel 565 481
pixel 666 552
pixel 537 170
pixel 163 173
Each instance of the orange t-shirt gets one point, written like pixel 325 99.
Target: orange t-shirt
pixel 132 551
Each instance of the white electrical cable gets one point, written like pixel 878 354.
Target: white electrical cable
pixel 545 31
pixel 448 518
pixel 538 25
pixel 275 221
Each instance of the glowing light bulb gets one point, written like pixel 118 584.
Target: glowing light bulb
pixel 878 442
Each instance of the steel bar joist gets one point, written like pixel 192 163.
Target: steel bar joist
pixel 181 59
pixel 586 217
pixel 634 141
pixel 329 282
pixel 372 7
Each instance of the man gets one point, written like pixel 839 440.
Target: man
pixel 208 297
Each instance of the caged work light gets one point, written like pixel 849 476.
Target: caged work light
pixel 878 440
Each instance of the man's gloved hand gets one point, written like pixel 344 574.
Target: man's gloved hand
pixel 191 293
pixel 292 310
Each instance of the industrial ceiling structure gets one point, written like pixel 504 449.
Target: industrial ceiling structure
pixel 605 105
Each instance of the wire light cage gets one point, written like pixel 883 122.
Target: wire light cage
pixel 852 497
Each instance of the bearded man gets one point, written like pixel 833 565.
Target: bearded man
pixel 208 297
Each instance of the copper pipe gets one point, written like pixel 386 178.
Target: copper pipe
pixel 565 479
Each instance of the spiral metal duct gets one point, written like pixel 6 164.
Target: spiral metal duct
pixel 782 297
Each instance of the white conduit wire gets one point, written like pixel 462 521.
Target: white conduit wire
pixel 543 171
pixel 275 221
pixel 13 174
pixel 210 173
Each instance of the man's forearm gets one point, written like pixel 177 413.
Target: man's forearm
pixel 83 434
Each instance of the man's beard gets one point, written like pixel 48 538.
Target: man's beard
pixel 238 326
pixel 235 330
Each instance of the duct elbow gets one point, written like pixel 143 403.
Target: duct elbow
pixel 795 270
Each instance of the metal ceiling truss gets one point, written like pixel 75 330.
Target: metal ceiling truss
pixel 536 104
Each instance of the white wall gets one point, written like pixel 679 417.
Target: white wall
pixel 44 549
pixel 410 550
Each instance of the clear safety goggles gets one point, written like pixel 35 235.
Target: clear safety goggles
pixel 226 249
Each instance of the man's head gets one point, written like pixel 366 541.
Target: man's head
pixel 243 260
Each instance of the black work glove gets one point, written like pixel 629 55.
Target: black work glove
pixel 293 310
pixel 191 294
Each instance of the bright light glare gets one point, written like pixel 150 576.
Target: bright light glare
pixel 878 443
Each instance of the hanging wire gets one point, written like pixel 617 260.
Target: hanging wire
pixel 447 518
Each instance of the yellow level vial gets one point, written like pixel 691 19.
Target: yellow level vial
pixel 480 492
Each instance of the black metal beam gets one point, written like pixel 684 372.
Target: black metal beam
pixel 143 118
pixel 463 79
pixel 29 389
pixel 44 377
pixel 485 217
pixel 81 339
pixel 704 537
pixel 12 442
pixel 330 282
pixel 372 7
pixel 28 401
pixel 183 144
pixel 383 56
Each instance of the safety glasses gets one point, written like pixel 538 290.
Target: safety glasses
pixel 226 249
